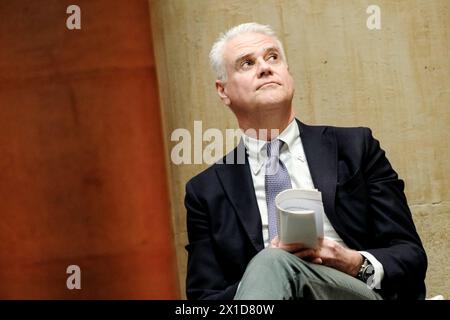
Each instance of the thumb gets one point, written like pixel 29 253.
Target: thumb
pixel 274 242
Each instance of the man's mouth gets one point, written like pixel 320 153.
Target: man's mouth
pixel 268 84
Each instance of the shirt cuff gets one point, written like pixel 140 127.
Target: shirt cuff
pixel 375 282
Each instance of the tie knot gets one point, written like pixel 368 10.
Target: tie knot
pixel 274 147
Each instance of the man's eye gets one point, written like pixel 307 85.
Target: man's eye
pixel 246 63
pixel 273 57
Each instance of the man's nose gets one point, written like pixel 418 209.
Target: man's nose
pixel 264 68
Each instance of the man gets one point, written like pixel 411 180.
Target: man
pixel 371 249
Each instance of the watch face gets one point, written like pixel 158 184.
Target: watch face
pixel 368 272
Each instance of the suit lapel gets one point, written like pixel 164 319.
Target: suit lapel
pixel 320 146
pixel 238 184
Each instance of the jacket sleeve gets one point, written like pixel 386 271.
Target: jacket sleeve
pixel 205 277
pixel 399 248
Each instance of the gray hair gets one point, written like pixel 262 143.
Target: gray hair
pixel 217 50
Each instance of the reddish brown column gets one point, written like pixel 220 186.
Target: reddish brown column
pixel 82 164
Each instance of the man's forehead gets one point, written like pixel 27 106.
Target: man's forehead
pixel 249 43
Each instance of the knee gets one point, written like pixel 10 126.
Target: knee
pixel 274 257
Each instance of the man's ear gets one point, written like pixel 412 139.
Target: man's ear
pixel 220 86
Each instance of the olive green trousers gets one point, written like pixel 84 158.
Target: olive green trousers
pixel 274 274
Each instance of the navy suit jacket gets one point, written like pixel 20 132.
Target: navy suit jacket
pixel 363 199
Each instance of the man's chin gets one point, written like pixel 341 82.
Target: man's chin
pixel 273 99
pixel 274 104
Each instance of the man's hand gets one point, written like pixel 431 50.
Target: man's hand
pixel 328 252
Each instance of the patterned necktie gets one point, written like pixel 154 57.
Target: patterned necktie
pixel 276 180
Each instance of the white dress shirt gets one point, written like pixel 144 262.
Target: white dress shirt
pixel 293 157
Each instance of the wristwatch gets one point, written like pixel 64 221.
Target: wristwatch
pixel 366 271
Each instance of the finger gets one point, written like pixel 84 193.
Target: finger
pixel 317 261
pixel 275 242
pixel 292 247
pixel 307 253
pixel 292 244
pixel 321 242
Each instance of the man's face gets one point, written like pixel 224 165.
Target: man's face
pixel 257 77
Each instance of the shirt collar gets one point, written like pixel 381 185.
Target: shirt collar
pixel 256 152
pixel 256 149
pixel 291 137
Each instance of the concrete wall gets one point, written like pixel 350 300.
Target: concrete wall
pixel 394 80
